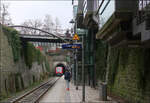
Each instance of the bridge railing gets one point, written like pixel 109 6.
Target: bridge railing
pixel 51 34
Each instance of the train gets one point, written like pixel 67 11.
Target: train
pixel 59 71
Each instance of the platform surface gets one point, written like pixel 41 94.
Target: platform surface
pixel 59 94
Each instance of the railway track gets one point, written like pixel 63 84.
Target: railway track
pixel 34 95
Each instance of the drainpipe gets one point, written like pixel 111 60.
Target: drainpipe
pixel 103 86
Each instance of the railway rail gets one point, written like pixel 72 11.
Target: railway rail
pixel 34 95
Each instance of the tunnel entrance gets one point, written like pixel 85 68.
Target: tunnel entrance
pixel 60 69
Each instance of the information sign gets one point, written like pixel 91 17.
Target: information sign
pixel 71 46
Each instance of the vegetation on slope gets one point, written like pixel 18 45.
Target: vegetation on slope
pixel 14 41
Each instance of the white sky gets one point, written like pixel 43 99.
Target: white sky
pixel 24 10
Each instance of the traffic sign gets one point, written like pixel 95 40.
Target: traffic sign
pixel 75 37
pixel 71 46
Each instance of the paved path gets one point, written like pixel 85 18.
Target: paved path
pixel 59 94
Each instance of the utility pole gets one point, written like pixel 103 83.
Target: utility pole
pixel 83 72
pixel 76 60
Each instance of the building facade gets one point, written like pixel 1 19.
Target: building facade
pixel 87 23
pixel 124 23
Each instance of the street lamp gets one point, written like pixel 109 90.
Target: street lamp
pixel 72 21
pixel 76 62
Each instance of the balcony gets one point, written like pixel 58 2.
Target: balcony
pixel 115 26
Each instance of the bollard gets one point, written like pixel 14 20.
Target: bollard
pixel 103 91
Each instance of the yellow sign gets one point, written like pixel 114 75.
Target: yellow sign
pixel 75 37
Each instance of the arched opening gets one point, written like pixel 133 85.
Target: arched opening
pixel 60 69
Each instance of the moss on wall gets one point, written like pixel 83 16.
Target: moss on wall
pixel 14 41
pixel 47 66
pixel 113 62
pixel 132 77
pixel 32 55
pixel 15 58
pixel 30 52
pixel 129 73
pixel 101 55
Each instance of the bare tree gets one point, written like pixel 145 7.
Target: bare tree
pixel 5 16
pixel 48 24
pixel 57 25
pixel 32 23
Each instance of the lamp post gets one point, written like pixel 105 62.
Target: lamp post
pixel 73 71
pixel 76 61
pixel 83 72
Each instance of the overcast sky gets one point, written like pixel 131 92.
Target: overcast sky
pixel 24 10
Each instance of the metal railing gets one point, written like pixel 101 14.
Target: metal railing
pixel 51 34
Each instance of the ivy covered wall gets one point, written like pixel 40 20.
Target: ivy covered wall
pixel 101 60
pixel 20 66
pixel 129 72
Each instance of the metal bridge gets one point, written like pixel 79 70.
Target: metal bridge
pixel 45 37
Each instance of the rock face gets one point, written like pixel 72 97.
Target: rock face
pixel 15 76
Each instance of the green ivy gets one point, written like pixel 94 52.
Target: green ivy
pixel 124 54
pixel 32 55
pixel 114 65
pixel 47 65
pixel 17 76
pixel 143 67
pixel 14 41
pixel 101 55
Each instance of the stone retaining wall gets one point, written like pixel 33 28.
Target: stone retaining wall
pixel 15 76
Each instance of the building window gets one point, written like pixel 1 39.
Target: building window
pixel 106 10
pixel 142 4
